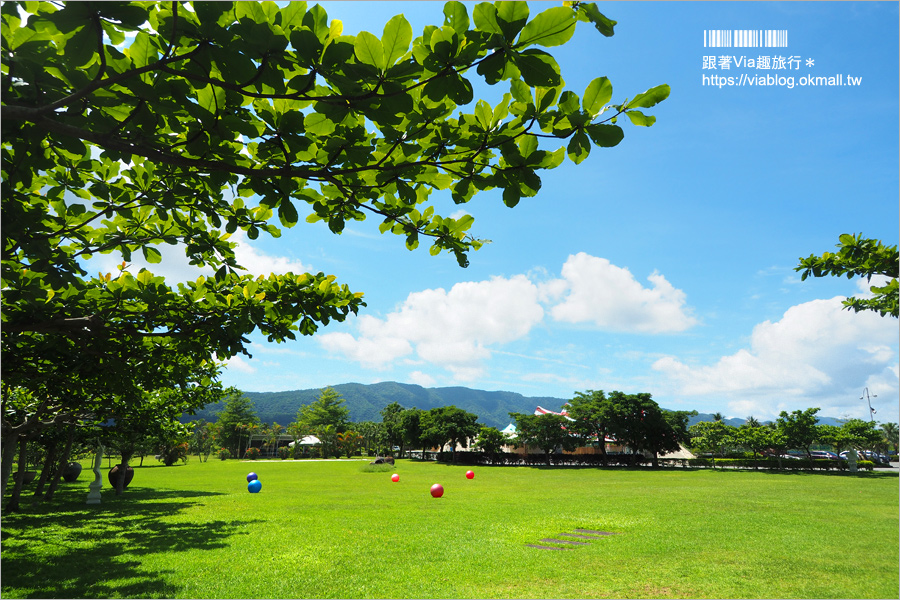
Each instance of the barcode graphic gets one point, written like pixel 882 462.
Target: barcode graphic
pixel 745 38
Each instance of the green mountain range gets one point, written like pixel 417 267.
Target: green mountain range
pixel 366 401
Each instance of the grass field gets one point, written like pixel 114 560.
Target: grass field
pixel 332 529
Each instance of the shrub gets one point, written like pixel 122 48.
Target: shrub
pixel 170 454
pixel 284 452
pixel 224 453
pixel 252 453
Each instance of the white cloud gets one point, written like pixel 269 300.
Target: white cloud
pixel 423 379
pixel 598 292
pixel 239 363
pixel 864 285
pixel 258 262
pixel 372 349
pixel 818 354
pixel 452 329
pixel 459 330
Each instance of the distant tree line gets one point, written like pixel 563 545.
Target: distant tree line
pixel 795 431
pixel 592 418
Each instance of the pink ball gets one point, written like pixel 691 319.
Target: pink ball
pixel 437 490
pixel 395 478
pixel 470 475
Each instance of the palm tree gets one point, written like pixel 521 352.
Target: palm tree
pixel 752 422
pixel 327 435
pixel 891 435
pixel 717 416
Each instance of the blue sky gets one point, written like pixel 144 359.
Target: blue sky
pixel 664 265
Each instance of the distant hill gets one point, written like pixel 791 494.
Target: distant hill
pixel 366 401
pixel 738 422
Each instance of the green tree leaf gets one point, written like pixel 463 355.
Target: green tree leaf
pixel 485 17
pixel 211 98
pixel 640 119
pixel 455 16
pixel 605 136
pixel 579 147
pixel 511 17
pixel 318 124
pixel 588 12
pixel 287 213
pixel 369 50
pixel 651 97
pixel 552 27
pixel 597 96
pixel 395 40
pixel 151 255
pixel 538 68
pixel 142 52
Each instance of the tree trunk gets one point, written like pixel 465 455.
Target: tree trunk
pixel 47 470
pixel 13 505
pixel 9 443
pixel 63 463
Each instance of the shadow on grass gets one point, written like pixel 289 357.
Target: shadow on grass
pixel 68 549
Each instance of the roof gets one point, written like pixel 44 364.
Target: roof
pixel 309 440
pixel 540 410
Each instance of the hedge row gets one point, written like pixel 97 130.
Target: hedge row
pixel 767 463
pixel 618 460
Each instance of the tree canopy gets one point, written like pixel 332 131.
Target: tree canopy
pixel 637 421
pixel 451 425
pixel 233 422
pixel 327 410
pixel 863 257
pixel 547 432
pixel 131 125
pixel 799 428
pixel 592 412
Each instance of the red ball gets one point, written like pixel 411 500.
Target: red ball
pixel 395 478
pixel 437 490
pixel 470 475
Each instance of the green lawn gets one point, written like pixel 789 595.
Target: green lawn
pixel 332 529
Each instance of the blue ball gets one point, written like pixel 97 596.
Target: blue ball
pixel 254 486
pixel 251 476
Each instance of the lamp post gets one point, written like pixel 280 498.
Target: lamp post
pixel 871 410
